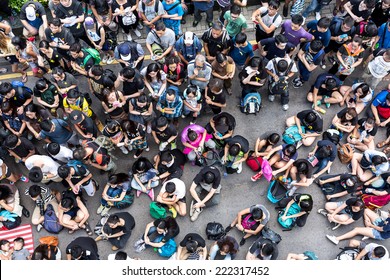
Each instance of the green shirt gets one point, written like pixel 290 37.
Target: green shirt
pixel 235 26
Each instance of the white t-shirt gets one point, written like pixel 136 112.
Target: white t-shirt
pixel 1 170
pixel 268 21
pixel 379 67
pixel 64 155
pixel 368 96
pixel 49 166
pixel 270 65
pixel 370 250
pixel 180 191
pixel 150 12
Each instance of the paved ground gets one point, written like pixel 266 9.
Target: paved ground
pixel 238 191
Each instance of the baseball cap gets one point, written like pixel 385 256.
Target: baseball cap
pixel 188 38
pixel 89 22
pixel 30 13
pixel 124 51
pixel 76 116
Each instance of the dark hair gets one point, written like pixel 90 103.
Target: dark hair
pixel 97 70
pixel 282 65
pixel 20 240
pixel 273 138
pixel 192 135
pixel 290 148
pixel 208 177
pixel 267 250
pixel 73 93
pixel 274 4
pixel 257 213
pixel 34 190
pixel 359 203
pixel 118 178
pixel 170 92
pixel 75 47
pixel 113 219
pixel 348 21
pixel 53 148
pixel 35 174
pixel 191 246
pixel 350 111
pixel 365 89
pixel 170 187
pixel 7 108
pixel 217 25
pixel 255 62
pixel 19 41
pixel 216 85
pixel 234 150
pixel 129 126
pixel 172 60
pixel 357 39
pixel 241 38
pixel 41 84
pixel 79 153
pixel 153 67
pixel 379 251
pixel 161 121
pixel 56 22
pixel 44 252
pixel 128 72
pixel 44 44
pixel 370 121
pixel 235 9
pixel 324 22
pixel 76 251
pixel 120 256
pixel 5 192
pixel 297 19
pixel 113 125
pixel 371 29
pixel 221 57
pixel 280 39
pixel 3 242
pixel 225 241
pixel 67 203
pixel 311 117
pixel 142 98
pixel 370 4
pixel 166 156
pixel 5 88
pixel 306 202
pixel 140 164
pixel 63 171
pixel 11 141
pixel 57 71
pixel 377 160
pixel 330 83
pixel 316 45
pixel 46 125
pixel 303 167
pixel 160 26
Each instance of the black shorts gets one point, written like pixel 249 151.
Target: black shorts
pixel 322 91
pixel 182 199
pixel 12 59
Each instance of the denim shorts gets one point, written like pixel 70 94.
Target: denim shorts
pixel 377 235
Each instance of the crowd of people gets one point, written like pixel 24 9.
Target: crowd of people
pixel 188 76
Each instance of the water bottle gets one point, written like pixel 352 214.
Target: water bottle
pixel 322 111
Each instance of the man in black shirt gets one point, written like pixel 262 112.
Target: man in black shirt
pixel 205 190
pixel 59 37
pixel 133 84
pixel 78 176
pixel 82 248
pixel 275 47
pixel 19 97
pixel 216 40
pixel 262 249
pixel 71 14
pixel 99 78
pixel 235 153
pixel 84 125
pixel 19 147
pixel 381 12
pixel 192 247
pixel 164 133
pixel 81 60
pixel 170 164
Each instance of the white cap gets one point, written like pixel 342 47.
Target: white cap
pixel 30 13
pixel 188 38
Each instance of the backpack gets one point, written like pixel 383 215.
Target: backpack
pixel 291 134
pixel 347 254
pixel 51 222
pixel 99 226
pixel 254 163
pixel 76 164
pixel 271 235
pixel 126 201
pixel 246 223
pixel 345 153
pixel 157 211
pixel 375 201
pixel 251 103
pixel 91 53
pixel 168 249
pixel 110 74
pixel 156 4
pixel 215 231
pixel 333 135
pixel 289 223
pixel 281 86
pixel 49 240
pixel 178 69
pixel 310 255
pixel 102 146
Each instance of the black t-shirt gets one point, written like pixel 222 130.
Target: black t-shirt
pixel 75 9
pixel 80 173
pixel 80 60
pixel 242 141
pixel 333 150
pixel 136 85
pixel 88 245
pixel 216 45
pixel 217 176
pixel 62 37
pixel 179 160
pixel 101 6
pixel 308 173
pixel 171 226
pixel 255 249
pixel 379 16
pixel 126 228
pixel 343 184
pixel 20 97
pixel 164 135
pixel 223 129
pixel 194 237
pixel 317 126
pixel 148 165
pixel 371 132
pixel 355 215
pixel 269 45
pixel 217 98
pixel 310 55
pixel 355 10
pixel 297 198
pixel 260 75
pixel 24 148
pixel 176 75
pixel 341 116
pixel 88 126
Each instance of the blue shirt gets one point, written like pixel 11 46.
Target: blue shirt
pixel 240 55
pixel 60 135
pixel 204 6
pixel 321 79
pixel 380 99
pixel 177 10
pixel 384 36
pixel 324 37
pixel 189 52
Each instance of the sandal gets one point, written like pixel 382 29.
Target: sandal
pixel 88 229
pixel 386 150
pixel 24 78
pixel 71 231
pixel 381 144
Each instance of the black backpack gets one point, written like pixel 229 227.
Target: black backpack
pixel 332 135
pixel 215 231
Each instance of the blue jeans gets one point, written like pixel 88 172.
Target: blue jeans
pixel 321 163
pixel 111 192
pixel 304 73
pixel 314 6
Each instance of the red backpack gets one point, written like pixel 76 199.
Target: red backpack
pixel 375 201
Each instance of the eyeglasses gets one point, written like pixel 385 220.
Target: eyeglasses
pixel 199 67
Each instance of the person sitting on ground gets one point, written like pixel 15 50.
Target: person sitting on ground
pixel 42 169
pixel 262 249
pixel 170 164
pixel 326 152
pixel 378 185
pixel 59 153
pixel 5 250
pixel 369 164
pixel 192 102
pixel 336 186
pixel 376 227
pixel 370 251
pixel 20 252
pixel 117 230
pixel 221 126
pixel 173 193
pixel 224 249
pixel 343 212
pixel 82 248
pixel 250 221
pixel 266 143
pixel 301 173
pixel 205 191
pixel 10 202
pixel 313 123
pixel 304 201
pixel 20 148
pixel 192 247
pixel 164 133
pixel 358 96
pixel 362 137
pixel 236 152
pixel 72 213
pixel 144 177
pixel 345 120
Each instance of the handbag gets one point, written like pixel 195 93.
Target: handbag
pixel 271 235
pixel 129 19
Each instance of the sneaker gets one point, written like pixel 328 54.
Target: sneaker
pixel 39 227
pixel 100 209
pixel 285 10
pixel 256 177
pixel 228 228
pixel 195 23
pixel 11 183
pixel 110 60
pixel 271 97
pixel 147 149
pixel 365 238
pixel 304 19
pixel 323 66
pixel 138 242
pixel 332 60
pixel 129 38
pixel 296 80
pixel 140 26
pixel 149 129
pixel 332 238
pixel 299 144
pixel 336 226
pixel 239 168
pixel 151 194
pixel 323 212
pixel 183 116
pixel 137 33
pixel 242 242
pixel 173 211
pixel 285 107
pixel 124 150
pixel 3 70
pixel 105 210
pixel 192 210
pixel 196 213
pixel 138 193
pixel 298 84
pixel 140 248
pixel 104 59
pixel 318 15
